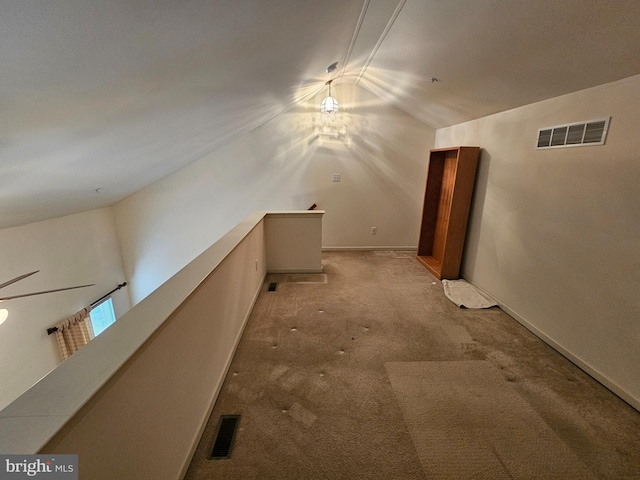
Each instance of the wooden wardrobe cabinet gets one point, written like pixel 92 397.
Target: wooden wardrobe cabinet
pixel 447 200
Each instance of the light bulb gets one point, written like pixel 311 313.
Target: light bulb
pixel 4 313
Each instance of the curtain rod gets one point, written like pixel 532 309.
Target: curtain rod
pixel 93 304
pixel 123 284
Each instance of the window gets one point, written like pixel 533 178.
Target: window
pixel 102 316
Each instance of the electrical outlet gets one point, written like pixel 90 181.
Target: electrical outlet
pixel 374 230
pixel 336 177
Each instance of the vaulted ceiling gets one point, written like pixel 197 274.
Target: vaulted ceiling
pixel 116 95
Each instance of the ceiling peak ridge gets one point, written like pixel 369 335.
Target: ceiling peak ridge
pixel 390 23
pixel 356 32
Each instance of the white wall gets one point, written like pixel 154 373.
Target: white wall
pixel 294 241
pixel 74 250
pixel 554 234
pixel 146 421
pixel 104 401
pixel 283 166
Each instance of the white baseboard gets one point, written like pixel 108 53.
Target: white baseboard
pixel 218 388
pixel 377 247
pixel 575 359
pixel 294 270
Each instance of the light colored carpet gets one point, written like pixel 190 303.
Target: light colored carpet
pixel 305 278
pixel 370 372
pixel 468 422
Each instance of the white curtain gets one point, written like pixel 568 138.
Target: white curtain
pixel 74 332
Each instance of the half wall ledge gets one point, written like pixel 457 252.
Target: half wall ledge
pixel 58 409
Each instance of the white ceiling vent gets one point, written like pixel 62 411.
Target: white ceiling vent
pixel 580 134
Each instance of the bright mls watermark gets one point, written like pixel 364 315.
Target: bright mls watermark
pixel 52 467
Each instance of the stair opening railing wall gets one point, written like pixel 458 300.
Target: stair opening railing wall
pixel 133 402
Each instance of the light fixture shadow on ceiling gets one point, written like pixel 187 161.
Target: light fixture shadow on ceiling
pixel 403 90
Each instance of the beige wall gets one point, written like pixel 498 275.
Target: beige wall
pixel 284 166
pixel 281 165
pixel 104 402
pixel 554 234
pixel 294 242
pixel 146 421
pixel 73 250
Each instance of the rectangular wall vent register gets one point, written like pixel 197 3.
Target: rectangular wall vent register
pixel 580 134
pixel 225 436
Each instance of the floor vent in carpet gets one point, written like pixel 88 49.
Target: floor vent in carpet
pixel 224 437
pixel 272 287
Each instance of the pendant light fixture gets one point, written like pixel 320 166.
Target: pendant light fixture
pixel 329 104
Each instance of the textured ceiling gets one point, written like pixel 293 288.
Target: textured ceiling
pixel 116 95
